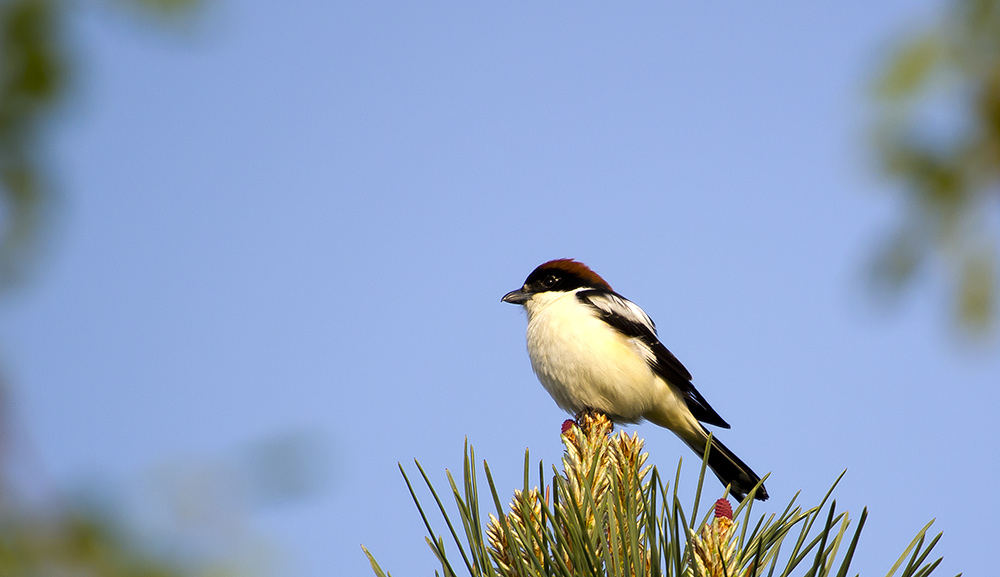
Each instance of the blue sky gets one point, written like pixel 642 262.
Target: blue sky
pixel 301 218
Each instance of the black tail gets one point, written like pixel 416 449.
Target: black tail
pixel 731 470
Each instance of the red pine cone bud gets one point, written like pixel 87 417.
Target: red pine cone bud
pixel 567 425
pixel 723 509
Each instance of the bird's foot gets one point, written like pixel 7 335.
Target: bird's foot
pixel 592 419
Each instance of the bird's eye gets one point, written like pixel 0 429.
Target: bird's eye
pixel 550 281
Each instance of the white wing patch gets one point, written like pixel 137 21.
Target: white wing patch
pixel 617 306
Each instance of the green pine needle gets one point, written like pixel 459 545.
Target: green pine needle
pixel 606 514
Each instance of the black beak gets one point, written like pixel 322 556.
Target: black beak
pixel 518 297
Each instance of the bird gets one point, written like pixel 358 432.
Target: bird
pixel 594 350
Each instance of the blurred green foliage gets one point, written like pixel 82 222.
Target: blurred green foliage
pixel 164 7
pixel 35 73
pixel 938 135
pixel 47 536
pixel 184 518
pixel 72 544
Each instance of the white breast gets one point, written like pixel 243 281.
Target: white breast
pixel 584 363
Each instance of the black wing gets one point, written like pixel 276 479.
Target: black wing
pixel 630 320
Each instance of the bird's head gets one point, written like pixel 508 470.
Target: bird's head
pixel 560 275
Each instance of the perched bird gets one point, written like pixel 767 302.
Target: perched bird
pixel 593 349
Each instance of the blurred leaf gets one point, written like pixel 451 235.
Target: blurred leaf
pixel 283 467
pixel 163 11
pixel 988 105
pixel 896 262
pixel 977 288
pixel 910 67
pixel 167 7
pixel 32 81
